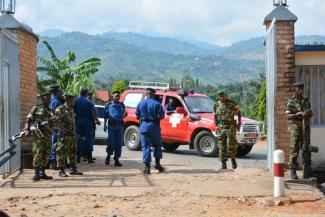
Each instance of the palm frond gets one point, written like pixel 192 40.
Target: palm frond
pixel 53 56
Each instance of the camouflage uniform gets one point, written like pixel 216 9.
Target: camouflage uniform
pixel 67 144
pixel 295 105
pixel 41 146
pixel 226 128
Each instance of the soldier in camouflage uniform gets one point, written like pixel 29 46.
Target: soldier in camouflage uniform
pixel 41 146
pixel 224 112
pixel 298 108
pixel 67 143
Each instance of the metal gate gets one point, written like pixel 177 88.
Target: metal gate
pixel 9 97
pixel 270 68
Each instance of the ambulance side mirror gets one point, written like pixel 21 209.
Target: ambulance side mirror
pixel 180 110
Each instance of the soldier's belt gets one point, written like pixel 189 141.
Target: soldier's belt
pixel 225 122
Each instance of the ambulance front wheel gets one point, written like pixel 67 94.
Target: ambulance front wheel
pixel 132 138
pixel 206 144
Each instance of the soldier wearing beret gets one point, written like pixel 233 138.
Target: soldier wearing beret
pixel 67 144
pixel 298 111
pixel 41 146
pixel 224 113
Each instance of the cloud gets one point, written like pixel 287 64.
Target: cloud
pixel 215 21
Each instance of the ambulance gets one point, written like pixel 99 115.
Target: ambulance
pixel 192 122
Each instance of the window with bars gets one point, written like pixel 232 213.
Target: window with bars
pixel 314 80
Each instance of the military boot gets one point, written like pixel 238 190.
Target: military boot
pixel 223 164
pixel 90 158
pixel 158 166
pixel 117 163
pixel 75 171
pixel 234 163
pixel 146 168
pixel 36 176
pixel 42 174
pixel 108 159
pixel 293 174
pixel 62 173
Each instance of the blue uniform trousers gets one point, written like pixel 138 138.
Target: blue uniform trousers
pixel 53 146
pixel 148 140
pixel 115 142
pixel 84 129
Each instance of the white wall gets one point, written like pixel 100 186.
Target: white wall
pixel 318 139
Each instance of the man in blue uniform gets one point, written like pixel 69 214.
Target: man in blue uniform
pixel 114 114
pixel 150 112
pixel 54 104
pixel 171 105
pixel 84 118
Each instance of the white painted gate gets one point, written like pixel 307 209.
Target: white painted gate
pixel 270 68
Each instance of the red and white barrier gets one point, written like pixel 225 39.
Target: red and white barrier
pixel 278 173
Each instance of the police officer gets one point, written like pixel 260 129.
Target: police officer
pixel 84 118
pixel 41 146
pixel 224 113
pixel 54 103
pixel 90 98
pixel 150 112
pixel 67 146
pixel 298 109
pixel 114 114
pixel 171 105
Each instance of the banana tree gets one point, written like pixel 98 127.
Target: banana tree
pixel 70 77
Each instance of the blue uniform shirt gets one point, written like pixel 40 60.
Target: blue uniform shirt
pixel 54 103
pixel 114 112
pixel 169 108
pixel 149 111
pixel 83 108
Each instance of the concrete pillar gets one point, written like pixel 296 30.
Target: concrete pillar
pixel 285 71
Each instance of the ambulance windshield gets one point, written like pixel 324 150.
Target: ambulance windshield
pixel 199 104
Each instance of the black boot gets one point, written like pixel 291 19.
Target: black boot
pixel 234 163
pixel 90 158
pixel 62 173
pixel 223 165
pixel 74 171
pixel 293 174
pixel 158 166
pixel 42 174
pixel 36 176
pixel 146 168
pixel 108 159
pixel 117 163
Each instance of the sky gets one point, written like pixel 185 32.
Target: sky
pixel 220 22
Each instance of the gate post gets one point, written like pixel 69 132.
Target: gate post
pixel 284 71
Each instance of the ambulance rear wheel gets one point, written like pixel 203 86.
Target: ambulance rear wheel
pixel 132 138
pixel 170 147
pixel 206 144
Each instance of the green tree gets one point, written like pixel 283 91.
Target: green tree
pixel 259 107
pixel 70 77
pixel 119 85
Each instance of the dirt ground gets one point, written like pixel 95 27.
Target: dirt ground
pixel 185 189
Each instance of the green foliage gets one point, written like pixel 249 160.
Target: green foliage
pixel 119 85
pixel 259 107
pixel 69 77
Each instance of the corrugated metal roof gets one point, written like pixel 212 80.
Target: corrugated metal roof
pixel 280 13
pixel 9 22
pixel 103 95
pixel 302 48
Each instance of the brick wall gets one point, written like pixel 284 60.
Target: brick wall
pixel 28 91
pixel 285 39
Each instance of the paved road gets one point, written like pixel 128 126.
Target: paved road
pixel 183 156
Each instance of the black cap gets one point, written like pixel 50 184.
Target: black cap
pixel 299 84
pixel 116 92
pixel 54 86
pixel 150 89
pixel 83 91
pixel 90 93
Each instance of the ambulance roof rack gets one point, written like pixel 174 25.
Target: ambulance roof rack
pixel 154 85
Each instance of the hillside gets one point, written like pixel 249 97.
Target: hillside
pixel 135 56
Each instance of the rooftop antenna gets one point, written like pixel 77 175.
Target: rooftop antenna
pixel 8 6
pixel 280 2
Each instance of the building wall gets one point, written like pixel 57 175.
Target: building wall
pixel 28 90
pixel 310 58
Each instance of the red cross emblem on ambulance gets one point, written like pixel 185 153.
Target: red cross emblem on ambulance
pixel 175 119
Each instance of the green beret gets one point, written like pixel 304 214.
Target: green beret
pixel 116 92
pixel 54 86
pixel 69 96
pixel 299 84
pixel 222 93
pixel 43 94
